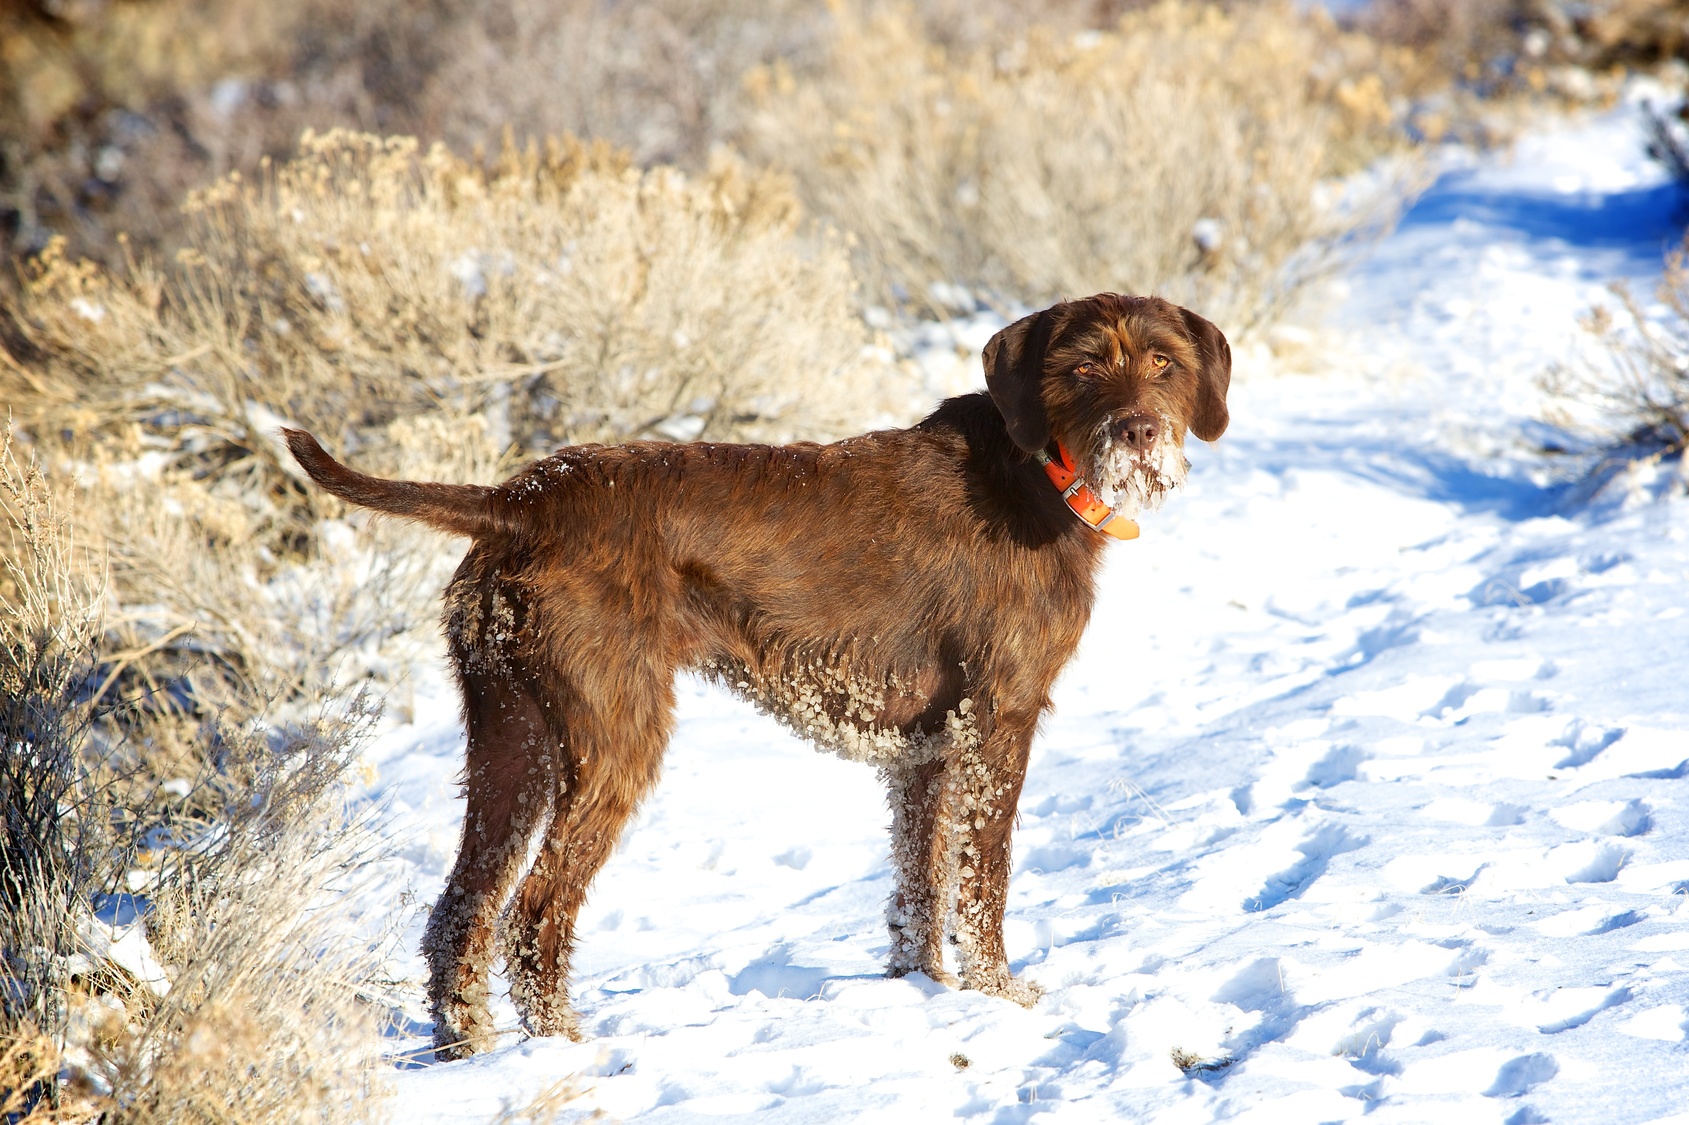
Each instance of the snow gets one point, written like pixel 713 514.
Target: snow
pixel 1365 797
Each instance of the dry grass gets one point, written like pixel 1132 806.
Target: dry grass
pixel 369 281
pixel 259 1017
pixel 1625 392
pixel 54 853
pixel 660 78
pixel 1192 1063
pixel 264 1020
pixel 547 1106
pixel 423 314
pixel 31 1092
pixel 1183 152
pixel 110 112
pixel 1459 36
pixel 663 78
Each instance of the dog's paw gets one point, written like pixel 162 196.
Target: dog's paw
pixel 461 1030
pixel 1021 990
pixel 451 1045
pixel 557 1020
pixel 545 1011
pixel 937 975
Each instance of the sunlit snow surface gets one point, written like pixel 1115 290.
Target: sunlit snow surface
pixel 1367 793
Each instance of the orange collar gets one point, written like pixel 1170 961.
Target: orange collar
pixel 1081 499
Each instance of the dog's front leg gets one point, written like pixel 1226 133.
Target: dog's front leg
pixel 982 795
pixel 925 870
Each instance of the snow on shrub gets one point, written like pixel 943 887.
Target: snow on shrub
pixel 1625 389
pixel 223 990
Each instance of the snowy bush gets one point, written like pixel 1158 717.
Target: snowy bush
pixel 236 997
pixel 1626 389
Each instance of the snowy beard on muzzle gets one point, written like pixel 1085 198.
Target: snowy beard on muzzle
pixel 1130 481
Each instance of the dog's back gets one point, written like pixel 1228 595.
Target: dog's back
pixel 840 587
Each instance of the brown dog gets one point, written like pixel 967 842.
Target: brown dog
pixel 905 598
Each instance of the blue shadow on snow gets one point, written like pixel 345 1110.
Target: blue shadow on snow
pixel 1643 222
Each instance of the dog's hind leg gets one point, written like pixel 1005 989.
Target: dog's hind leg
pixel 613 753
pixel 925 870
pixel 507 778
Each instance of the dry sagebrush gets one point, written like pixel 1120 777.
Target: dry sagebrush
pixel 53 853
pixel 1625 390
pixel 1575 49
pixel 423 313
pixel 268 1016
pixel 1182 152
pixel 111 111
pixel 368 280
pixel 259 1018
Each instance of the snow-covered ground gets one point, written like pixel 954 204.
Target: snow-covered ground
pixel 1367 796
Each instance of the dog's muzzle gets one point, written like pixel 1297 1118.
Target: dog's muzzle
pixel 1138 463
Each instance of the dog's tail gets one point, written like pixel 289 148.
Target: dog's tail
pixel 462 509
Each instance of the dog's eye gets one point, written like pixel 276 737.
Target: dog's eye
pixel 1088 371
pixel 1159 360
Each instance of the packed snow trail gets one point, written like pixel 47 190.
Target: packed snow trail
pixel 1367 795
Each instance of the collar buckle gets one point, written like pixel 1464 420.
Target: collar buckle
pixel 1081 499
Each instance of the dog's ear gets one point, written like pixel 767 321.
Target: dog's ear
pixel 1211 416
pixel 1014 374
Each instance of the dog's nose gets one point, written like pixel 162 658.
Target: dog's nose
pixel 1138 431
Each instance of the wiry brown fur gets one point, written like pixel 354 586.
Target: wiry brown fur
pixel 905 598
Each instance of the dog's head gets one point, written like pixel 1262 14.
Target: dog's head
pixel 1118 380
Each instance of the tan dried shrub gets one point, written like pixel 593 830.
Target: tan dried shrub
pixel 1624 391
pixel 268 1016
pixel 1460 35
pixel 422 314
pixel 662 78
pixel 259 1014
pixel 53 853
pixel 210 617
pixel 1184 152
pixel 30 1091
pixel 1574 51
pixel 111 111
pixel 549 1105
pixel 368 281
